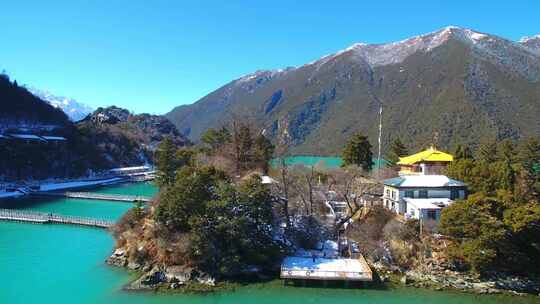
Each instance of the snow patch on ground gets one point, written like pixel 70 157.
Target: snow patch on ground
pixel 323 264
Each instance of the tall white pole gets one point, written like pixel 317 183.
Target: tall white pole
pixel 379 140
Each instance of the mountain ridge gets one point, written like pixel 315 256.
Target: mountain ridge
pixel 461 79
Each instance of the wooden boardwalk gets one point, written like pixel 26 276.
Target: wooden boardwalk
pixel 326 269
pixel 43 218
pixel 99 196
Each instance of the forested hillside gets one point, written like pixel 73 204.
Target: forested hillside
pixel 451 86
pixel 109 138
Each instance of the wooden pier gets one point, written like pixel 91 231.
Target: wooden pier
pixel 98 196
pixel 44 218
pixel 326 269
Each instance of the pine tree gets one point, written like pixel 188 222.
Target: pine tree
pixel 358 152
pixel 165 162
pixel 397 150
pixel 487 152
pixel 462 152
pixel 263 151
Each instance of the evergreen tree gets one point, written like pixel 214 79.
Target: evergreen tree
pixel 397 150
pixel 215 139
pixel 462 152
pixel 358 152
pixel 263 151
pixel 165 162
pixel 487 152
pixel 529 158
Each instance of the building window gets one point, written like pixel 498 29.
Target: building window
pixel 409 194
pixel 388 192
pixel 432 214
pixel 422 194
pixel 393 194
pixel 454 194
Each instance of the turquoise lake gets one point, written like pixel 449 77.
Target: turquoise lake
pixel 329 162
pixel 65 264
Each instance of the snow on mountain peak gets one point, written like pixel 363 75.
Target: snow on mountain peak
pixel 395 52
pixel 74 109
pixel 532 43
pixel 529 38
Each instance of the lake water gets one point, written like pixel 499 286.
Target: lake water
pixel 65 264
pixel 329 162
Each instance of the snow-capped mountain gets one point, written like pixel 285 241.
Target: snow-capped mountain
pixel 75 110
pixel 462 84
pixel 532 42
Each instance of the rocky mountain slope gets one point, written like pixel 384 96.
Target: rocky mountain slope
pixel 108 138
pixel 124 138
pixel 74 109
pixel 453 85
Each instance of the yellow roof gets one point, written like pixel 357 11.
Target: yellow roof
pixel 429 155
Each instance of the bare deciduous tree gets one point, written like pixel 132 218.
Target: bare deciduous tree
pixel 350 185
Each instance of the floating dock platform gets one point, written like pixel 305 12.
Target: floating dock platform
pixel 326 269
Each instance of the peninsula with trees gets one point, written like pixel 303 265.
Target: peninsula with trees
pixel 224 215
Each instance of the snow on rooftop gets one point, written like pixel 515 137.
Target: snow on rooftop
pixel 60 138
pixel 130 169
pixel 26 136
pixel 78 184
pixel 4 194
pixel 423 181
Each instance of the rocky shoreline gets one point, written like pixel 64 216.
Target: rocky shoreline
pixel 439 278
pixel 154 277
pixel 176 277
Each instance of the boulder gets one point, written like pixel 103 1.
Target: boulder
pixel 178 273
pixel 153 278
pixel 133 265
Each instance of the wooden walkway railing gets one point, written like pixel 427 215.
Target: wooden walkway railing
pixel 98 196
pixel 40 217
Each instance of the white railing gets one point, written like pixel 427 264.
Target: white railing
pixel 293 273
pixel 41 217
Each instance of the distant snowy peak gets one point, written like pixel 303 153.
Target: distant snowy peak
pixel 74 110
pixel 395 52
pixel 532 42
pixel 522 57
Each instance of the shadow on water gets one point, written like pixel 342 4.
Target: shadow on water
pixel 336 284
pixel 25 202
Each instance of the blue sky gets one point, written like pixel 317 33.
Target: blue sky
pixel 150 56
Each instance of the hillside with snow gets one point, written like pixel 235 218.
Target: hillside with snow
pixel 461 84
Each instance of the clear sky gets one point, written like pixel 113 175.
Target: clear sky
pixel 150 56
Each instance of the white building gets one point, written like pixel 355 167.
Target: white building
pixel 421 196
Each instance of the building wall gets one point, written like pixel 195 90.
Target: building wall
pixel 414 212
pixel 432 193
pixel 393 196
